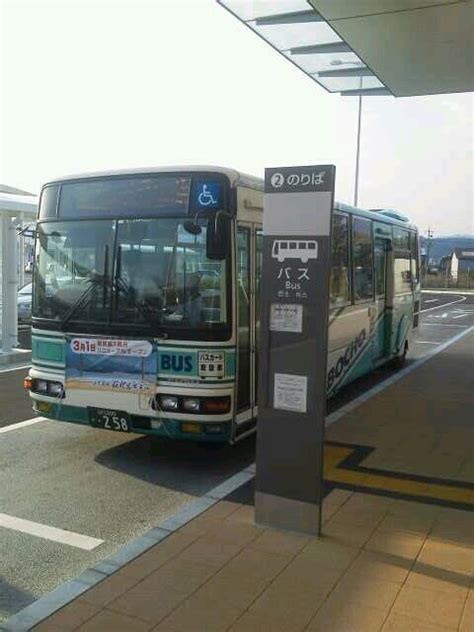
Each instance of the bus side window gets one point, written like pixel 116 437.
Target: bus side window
pixel 415 271
pixel 362 259
pixel 339 284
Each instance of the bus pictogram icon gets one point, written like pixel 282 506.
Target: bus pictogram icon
pixel 303 249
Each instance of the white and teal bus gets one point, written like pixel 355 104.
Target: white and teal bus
pixel 146 300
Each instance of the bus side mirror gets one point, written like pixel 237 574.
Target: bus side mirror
pixel 217 239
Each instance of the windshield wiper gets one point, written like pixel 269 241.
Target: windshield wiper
pixel 97 280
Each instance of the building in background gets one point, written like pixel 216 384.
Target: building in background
pixel 461 262
pixel 17 217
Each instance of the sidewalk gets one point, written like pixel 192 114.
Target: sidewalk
pixel 397 558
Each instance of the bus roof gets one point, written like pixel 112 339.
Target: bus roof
pixel 236 178
pixel 375 214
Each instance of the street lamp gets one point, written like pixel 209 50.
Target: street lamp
pixel 340 62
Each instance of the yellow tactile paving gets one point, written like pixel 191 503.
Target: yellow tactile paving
pixel 333 472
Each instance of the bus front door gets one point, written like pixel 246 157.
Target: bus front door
pixel 244 316
pixel 248 273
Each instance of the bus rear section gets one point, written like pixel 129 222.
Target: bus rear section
pixel 374 290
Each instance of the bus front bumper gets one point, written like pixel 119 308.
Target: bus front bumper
pixel 189 430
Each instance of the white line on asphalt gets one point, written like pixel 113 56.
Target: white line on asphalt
pixel 427 342
pixel 22 424
pixel 49 533
pixel 450 292
pixel 460 300
pixel 337 414
pixel 432 300
pixel 459 316
pixel 443 325
pixel 15 368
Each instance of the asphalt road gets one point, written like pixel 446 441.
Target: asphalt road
pixel 114 487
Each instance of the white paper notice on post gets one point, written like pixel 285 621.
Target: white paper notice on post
pixel 286 317
pixel 290 392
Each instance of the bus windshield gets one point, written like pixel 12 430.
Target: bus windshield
pixel 147 274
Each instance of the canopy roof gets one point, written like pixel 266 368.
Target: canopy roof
pixel 370 47
pixel 18 205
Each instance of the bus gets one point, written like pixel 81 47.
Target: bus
pixel 146 313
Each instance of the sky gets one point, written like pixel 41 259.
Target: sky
pixel 90 85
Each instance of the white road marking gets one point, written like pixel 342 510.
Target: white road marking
pixel 426 342
pixel 15 368
pixel 432 300
pixel 22 424
pixel 49 533
pixel 460 316
pixel 340 412
pixel 443 325
pixel 459 300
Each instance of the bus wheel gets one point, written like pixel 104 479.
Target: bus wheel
pixel 399 361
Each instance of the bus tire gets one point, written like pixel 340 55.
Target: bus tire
pixel 399 361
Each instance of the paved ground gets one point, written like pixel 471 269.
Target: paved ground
pixel 112 488
pixel 384 563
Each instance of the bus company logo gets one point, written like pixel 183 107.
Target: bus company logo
pixel 302 249
pixel 176 362
pixel 345 359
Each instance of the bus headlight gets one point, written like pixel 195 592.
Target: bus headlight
pixel 169 402
pixel 191 404
pixel 46 387
pixel 55 389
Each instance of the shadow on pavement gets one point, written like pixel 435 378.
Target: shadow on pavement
pixel 12 599
pixel 186 467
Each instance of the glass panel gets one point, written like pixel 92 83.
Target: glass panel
pixel 251 9
pixel 163 280
pixel 415 272
pixel 258 278
pixel 148 195
pixel 362 259
pixel 48 203
pixel 380 266
pixel 402 271
pixel 284 36
pixel 316 62
pixel 73 270
pixel 338 84
pixel 243 319
pixel 339 284
pixel 401 239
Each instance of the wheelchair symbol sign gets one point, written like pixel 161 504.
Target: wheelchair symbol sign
pixel 207 194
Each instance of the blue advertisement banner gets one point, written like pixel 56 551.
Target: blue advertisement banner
pixel 110 364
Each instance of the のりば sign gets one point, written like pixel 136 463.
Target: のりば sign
pixel 111 346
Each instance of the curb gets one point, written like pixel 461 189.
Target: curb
pixel 48 604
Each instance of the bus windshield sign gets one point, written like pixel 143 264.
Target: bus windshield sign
pixel 143 196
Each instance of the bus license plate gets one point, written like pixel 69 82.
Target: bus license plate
pixel 109 419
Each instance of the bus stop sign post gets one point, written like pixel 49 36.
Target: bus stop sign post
pixel 294 332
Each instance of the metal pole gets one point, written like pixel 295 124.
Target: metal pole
pixel 356 183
